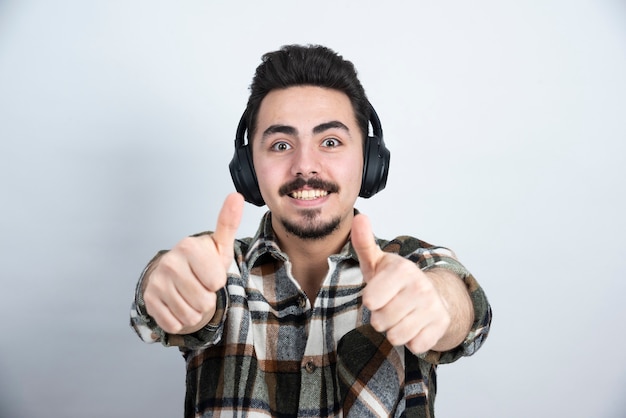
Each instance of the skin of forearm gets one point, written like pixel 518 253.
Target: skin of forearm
pixel 457 300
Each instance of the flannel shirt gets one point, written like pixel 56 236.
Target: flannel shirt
pixel 268 352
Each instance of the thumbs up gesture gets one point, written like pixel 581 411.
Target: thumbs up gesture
pixel 180 292
pixel 404 301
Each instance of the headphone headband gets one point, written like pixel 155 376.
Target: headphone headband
pixel 242 127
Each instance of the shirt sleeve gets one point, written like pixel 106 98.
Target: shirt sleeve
pixel 149 331
pixel 427 257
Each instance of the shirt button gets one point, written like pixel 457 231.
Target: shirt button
pixel 310 367
pixel 302 302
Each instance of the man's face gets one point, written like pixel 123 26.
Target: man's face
pixel 308 156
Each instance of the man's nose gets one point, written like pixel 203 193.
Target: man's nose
pixel 306 162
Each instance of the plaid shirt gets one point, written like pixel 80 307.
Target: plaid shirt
pixel 268 352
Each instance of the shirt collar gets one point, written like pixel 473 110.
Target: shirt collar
pixel 264 243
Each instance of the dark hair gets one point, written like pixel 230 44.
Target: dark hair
pixel 315 65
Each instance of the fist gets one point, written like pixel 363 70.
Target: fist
pixel 180 292
pixel 403 300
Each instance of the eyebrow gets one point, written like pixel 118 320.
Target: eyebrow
pixel 330 125
pixel 279 129
pixel 290 130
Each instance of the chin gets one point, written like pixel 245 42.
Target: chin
pixel 311 229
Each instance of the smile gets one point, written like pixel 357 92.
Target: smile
pixel 308 194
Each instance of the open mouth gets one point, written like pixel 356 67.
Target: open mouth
pixel 308 194
pixel 310 189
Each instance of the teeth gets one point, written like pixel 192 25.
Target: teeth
pixel 309 194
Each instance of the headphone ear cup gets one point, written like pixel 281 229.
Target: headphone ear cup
pixel 375 167
pixel 244 177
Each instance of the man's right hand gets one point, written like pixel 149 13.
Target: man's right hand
pixel 180 292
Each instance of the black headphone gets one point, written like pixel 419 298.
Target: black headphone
pixel 375 163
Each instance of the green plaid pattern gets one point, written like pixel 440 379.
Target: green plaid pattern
pixel 268 352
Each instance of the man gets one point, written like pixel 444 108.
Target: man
pixel 313 316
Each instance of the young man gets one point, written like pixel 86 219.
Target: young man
pixel 313 316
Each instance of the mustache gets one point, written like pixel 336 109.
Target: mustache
pixel 313 183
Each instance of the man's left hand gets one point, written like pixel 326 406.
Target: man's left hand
pixel 404 301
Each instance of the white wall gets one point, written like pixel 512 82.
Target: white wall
pixel 507 125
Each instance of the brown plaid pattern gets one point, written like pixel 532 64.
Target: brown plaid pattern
pixel 268 352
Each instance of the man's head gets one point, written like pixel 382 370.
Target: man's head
pixel 313 66
pixel 296 65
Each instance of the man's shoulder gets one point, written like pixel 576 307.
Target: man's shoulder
pixel 403 245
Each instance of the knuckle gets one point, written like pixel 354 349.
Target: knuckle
pixel 149 300
pixel 394 338
pixel 186 249
pixel 367 299
pixel 167 268
pixel 377 323
pixel 419 285
pixel 199 300
pixel 167 323
pixel 173 328
pixel 155 285
pixel 208 301
pixel 416 347
pixel 191 318
pixel 215 281
pixel 422 343
pixel 187 244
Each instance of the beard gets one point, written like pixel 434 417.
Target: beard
pixel 312 228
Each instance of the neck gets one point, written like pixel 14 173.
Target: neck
pixel 309 256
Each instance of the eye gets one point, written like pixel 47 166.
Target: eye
pixel 281 146
pixel 331 143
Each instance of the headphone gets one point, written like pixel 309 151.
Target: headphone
pixel 375 163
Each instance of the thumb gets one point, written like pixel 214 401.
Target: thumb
pixel 364 244
pixel 228 222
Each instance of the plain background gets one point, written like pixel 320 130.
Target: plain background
pixel 507 126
